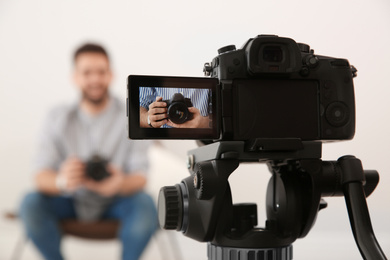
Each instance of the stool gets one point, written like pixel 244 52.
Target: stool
pixel 102 229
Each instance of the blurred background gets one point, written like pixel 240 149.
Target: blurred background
pixel 173 37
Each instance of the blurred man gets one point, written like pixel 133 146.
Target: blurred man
pixel 94 127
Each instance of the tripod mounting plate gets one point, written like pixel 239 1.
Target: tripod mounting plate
pixel 257 150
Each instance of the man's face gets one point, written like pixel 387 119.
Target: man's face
pixel 92 74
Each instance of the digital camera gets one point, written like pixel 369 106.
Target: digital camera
pixel 96 169
pixel 271 88
pixel 177 108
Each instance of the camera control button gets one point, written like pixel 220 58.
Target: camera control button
pixel 311 61
pixel 337 114
pixel 304 71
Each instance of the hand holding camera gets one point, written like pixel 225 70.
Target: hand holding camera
pixel 157 114
pixel 177 112
pixel 197 120
pixel 71 175
pixel 96 175
pixel 109 186
pixel 96 168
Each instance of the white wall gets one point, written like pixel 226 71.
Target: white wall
pixel 175 37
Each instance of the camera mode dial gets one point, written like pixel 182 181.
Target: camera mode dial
pixel 226 49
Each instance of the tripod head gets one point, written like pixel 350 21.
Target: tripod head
pixel 201 205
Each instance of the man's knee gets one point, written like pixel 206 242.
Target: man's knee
pixel 142 210
pixel 32 208
pixel 144 203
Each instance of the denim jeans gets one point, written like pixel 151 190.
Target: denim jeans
pixel 41 213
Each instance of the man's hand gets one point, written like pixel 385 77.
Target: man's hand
pixel 158 113
pixel 197 121
pixel 110 186
pixel 72 173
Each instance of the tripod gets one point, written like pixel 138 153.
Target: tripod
pixel 201 205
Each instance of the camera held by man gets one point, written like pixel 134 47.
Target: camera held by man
pixel 177 108
pixel 96 168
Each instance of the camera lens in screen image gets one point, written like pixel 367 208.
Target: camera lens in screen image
pixel 177 107
pixel 177 110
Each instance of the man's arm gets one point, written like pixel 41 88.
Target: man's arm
pixel 143 118
pixel 118 183
pixel 69 177
pixel 132 183
pixel 46 182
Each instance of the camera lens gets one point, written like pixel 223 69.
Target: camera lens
pixel 178 112
pixel 272 54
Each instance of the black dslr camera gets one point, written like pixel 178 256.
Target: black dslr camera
pixel 272 87
pixel 96 168
pixel 177 108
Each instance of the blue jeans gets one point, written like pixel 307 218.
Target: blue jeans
pixel 41 214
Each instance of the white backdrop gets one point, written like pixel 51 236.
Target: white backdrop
pixel 174 37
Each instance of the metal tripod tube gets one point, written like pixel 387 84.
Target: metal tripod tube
pixel 231 253
pixel 361 223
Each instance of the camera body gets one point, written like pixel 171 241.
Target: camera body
pixel 274 87
pixel 96 168
pixel 177 108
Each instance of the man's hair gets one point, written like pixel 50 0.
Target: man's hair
pixel 89 48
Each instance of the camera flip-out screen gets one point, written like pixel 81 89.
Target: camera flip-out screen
pixel 162 107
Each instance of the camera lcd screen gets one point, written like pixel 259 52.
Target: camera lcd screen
pixel 172 107
pixel 276 109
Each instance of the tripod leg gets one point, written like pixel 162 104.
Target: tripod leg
pixel 361 222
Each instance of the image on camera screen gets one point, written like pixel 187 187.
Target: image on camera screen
pixel 171 107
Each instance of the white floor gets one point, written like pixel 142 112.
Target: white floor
pixel 331 237
pixel 169 245
pixel 165 245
